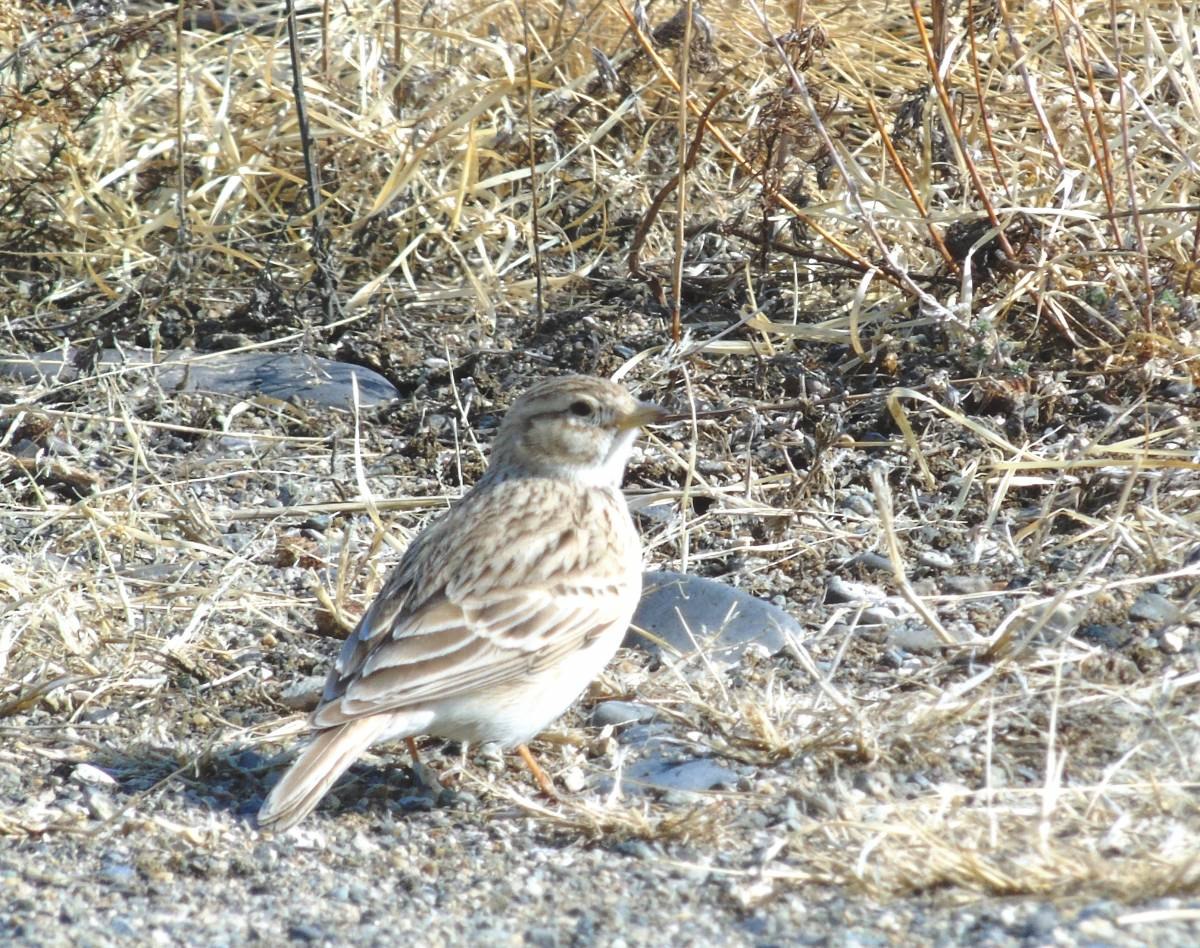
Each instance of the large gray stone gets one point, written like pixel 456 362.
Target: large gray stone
pixel 687 612
pixel 283 375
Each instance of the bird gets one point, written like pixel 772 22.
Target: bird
pixel 501 612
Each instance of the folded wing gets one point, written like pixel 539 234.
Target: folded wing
pixel 444 649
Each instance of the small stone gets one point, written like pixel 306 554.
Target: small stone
pixel 839 590
pixel 106 716
pixel 859 504
pixel 88 774
pixel 965 585
pixel 450 799
pixel 915 637
pixel 660 513
pixel 1173 639
pixel 304 694
pixel 616 713
pixel 225 340
pixel 935 559
pixel 1099 931
pixel 878 616
pixel 1151 607
pixel 637 849
pixel 281 375
pixel 118 874
pixel 419 803
pixel 875 783
pixel 99 804
pixel 1104 635
pixel 573 779
pixel 1040 925
pixel 871 561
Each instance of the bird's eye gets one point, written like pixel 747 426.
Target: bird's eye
pixel 581 408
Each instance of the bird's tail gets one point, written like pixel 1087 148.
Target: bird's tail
pixel 316 770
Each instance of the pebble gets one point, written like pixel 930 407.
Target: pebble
pixel 638 735
pixel 839 590
pixel 119 874
pixel 99 804
pixel 573 780
pixel 1104 635
pixel 1154 608
pixel 417 803
pixel 965 585
pixel 859 504
pixel 89 774
pixel 1172 640
pixel 450 799
pixel 877 615
pixel 660 513
pixel 304 694
pixel 935 559
pixel 616 713
pixel 871 561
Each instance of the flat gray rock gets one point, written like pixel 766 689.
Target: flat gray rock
pixel 661 763
pixel 687 612
pixel 1154 608
pixel 692 775
pixel 283 375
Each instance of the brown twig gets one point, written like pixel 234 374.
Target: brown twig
pixel 956 132
pixel 984 117
pixel 1099 149
pixel 633 261
pixel 685 156
pixel 1130 183
pixel 324 276
pixel 913 193
pixel 539 296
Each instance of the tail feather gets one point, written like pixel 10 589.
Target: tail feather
pixel 317 768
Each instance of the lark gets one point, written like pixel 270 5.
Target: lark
pixel 501 612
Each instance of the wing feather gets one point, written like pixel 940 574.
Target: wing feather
pixel 408 669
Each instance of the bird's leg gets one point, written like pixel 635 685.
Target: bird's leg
pixel 538 774
pixel 423 772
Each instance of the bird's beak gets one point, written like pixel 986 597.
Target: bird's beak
pixel 644 414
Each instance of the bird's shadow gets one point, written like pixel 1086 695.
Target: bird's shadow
pixel 235 781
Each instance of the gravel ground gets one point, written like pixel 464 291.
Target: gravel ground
pixel 184 872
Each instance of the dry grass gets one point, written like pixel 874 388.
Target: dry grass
pixel 1029 389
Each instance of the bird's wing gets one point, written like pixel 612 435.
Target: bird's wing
pixel 445 648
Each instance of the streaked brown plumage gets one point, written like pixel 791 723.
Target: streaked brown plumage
pixel 502 611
